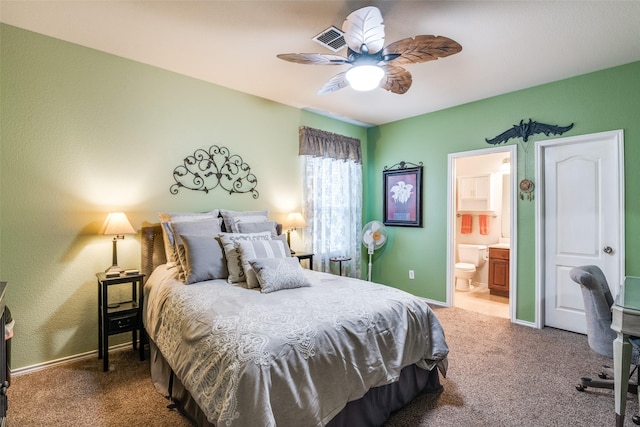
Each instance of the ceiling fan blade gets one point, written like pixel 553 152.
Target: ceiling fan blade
pixel 396 80
pixel 336 82
pixel 413 50
pixel 314 58
pixel 364 26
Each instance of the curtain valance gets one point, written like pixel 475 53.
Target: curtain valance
pixel 320 143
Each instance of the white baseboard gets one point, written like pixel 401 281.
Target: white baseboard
pixel 434 302
pixel 63 361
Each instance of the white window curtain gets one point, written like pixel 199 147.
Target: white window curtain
pixel 332 199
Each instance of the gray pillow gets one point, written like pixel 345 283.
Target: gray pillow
pixel 275 274
pixel 257 227
pixel 210 227
pixel 250 250
pixel 167 232
pixel 204 258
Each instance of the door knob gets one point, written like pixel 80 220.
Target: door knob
pixel 607 250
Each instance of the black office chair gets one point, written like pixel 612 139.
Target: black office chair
pixel 597 303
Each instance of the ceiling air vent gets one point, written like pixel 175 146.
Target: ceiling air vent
pixel 331 38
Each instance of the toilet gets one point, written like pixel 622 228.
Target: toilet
pixel 469 257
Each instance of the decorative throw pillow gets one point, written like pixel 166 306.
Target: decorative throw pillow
pixel 275 274
pixel 167 233
pixel 231 252
pixel 257 227
pixel 231 218
pixel 250 250
pixel 208 227
pixel 204 258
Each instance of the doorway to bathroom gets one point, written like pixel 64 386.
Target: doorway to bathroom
pixel 481 235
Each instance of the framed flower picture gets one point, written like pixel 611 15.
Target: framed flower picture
pixel 402 196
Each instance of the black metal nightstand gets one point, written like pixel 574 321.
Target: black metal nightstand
pixel 119 317
pixel 305 256
pixel 340 260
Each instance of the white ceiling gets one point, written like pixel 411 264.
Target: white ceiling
pixel 507 45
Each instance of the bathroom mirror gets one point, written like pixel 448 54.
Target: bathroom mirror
pixel 506 206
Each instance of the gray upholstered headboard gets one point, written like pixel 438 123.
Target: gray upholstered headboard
pixel 152 248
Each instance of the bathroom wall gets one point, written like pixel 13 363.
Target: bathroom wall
pixel 474 166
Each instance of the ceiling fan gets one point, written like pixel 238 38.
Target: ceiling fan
pixel 369 59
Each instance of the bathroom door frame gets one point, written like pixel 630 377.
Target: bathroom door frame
pixel 451 221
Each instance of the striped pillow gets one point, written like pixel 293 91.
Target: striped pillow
pixel 251 250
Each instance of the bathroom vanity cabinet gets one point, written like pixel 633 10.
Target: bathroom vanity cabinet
pixel 499 271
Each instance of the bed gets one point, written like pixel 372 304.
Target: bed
pixel 337 351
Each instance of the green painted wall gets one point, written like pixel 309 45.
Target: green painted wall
pixel 595 102
pixel 84 133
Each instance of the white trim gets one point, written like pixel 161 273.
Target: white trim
pixel 451 201
pixel 540 146
pixel 64 360
pixel 434 302
pixel 525 323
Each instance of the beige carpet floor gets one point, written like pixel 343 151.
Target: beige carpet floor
pixel 500 374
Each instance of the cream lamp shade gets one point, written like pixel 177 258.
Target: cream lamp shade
pixel 117 224
pixel 294 220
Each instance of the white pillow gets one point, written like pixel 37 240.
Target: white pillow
pixel 167 232
pixel 250 250
pixel 231 218
pixel 231 252
pixel 275 274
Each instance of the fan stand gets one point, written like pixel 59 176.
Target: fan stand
pixel 370 251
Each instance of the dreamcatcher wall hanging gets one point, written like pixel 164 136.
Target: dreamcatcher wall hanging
pixel 524 130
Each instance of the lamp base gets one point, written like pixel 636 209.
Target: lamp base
pixel 114 270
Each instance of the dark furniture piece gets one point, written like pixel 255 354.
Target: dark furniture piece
pixel 306 256
pixel 499 271
pixel 120 317
pixel 597 305
pixel 4 368
pixel 340 260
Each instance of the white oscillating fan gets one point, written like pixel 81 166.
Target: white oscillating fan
pixel 374 236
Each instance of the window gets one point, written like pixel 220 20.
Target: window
pixel 332 197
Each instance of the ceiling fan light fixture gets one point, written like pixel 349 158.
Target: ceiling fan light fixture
pixel 364 77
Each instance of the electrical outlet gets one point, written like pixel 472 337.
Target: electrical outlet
pixel 411 275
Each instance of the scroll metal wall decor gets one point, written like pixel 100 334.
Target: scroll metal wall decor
pixel 207 170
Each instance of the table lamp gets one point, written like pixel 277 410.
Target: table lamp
pixel 294 220
pixel 116 224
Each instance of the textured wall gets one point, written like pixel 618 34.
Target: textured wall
pixel 85 133
pixel 596 102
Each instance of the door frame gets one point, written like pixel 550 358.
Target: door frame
pixel 451 221
pixel 540 147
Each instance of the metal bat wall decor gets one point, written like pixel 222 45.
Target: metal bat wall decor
pixel 525 130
